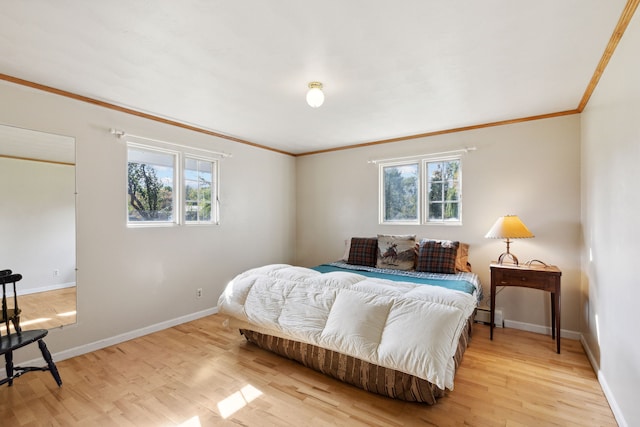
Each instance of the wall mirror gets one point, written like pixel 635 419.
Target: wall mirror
pixel 38 223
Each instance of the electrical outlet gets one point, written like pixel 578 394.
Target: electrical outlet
pixel 199 293
pixel 56 273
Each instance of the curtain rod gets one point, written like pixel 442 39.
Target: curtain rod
pixel 442 153
pixel 122 134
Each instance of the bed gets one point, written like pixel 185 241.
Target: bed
pixel 396 332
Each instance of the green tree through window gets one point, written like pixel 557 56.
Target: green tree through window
pixel 435 181
pixel 401 185
pixel 150 186
pixel 198 179
pixel 443 182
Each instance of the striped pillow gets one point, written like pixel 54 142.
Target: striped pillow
pixel 363 251
pixel 437 256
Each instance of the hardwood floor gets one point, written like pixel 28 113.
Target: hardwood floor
pixel 46 310
pixel 200 374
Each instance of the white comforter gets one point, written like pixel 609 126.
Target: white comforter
pixel 399 325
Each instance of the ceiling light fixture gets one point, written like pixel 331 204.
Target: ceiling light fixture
pixel 315 96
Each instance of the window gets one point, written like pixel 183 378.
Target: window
pixel 163 190
pixel 151 178
pixel 400 193
pixel 199 191
pixel 443 190
pixel 402 189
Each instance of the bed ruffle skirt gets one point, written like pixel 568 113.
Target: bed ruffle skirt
pixel 364 375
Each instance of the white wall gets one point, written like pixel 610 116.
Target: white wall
pixel 610 206
pixel 129 279
pixel 530 169
pixel 37 223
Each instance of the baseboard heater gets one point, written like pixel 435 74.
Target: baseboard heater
pixel 483 315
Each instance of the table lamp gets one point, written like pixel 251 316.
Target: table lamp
pixel 508 227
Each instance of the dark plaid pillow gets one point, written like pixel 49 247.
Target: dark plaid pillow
pixel 363 251
pixel 437 257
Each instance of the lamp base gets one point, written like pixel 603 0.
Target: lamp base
pixel 508 255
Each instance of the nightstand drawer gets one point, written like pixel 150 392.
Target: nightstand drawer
pixel 528 279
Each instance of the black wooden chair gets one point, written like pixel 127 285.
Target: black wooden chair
pixel 12 314
pixel 19 338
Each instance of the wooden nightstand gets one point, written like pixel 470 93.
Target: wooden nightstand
pixel 545 278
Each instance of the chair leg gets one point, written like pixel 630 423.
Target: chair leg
pixel 16 323
pixel 8 358
pixel 52 366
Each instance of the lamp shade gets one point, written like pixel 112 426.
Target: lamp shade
pixel 509 227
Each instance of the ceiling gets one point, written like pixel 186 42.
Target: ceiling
pixel 33 145
pixel 241 68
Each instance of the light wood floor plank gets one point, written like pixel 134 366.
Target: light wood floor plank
pixel 46 310
pixel 198 373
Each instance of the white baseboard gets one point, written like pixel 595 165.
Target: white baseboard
pixel 539 329
pixel 97 345
pixel 617 413
pixel 483 315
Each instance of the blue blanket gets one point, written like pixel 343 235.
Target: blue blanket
pixel 456 282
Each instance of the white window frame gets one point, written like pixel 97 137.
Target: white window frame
pixel 422 191
pixel 179 196
pixel 215 200
pixel 383 201
pixel 175 191
pixel 427 189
